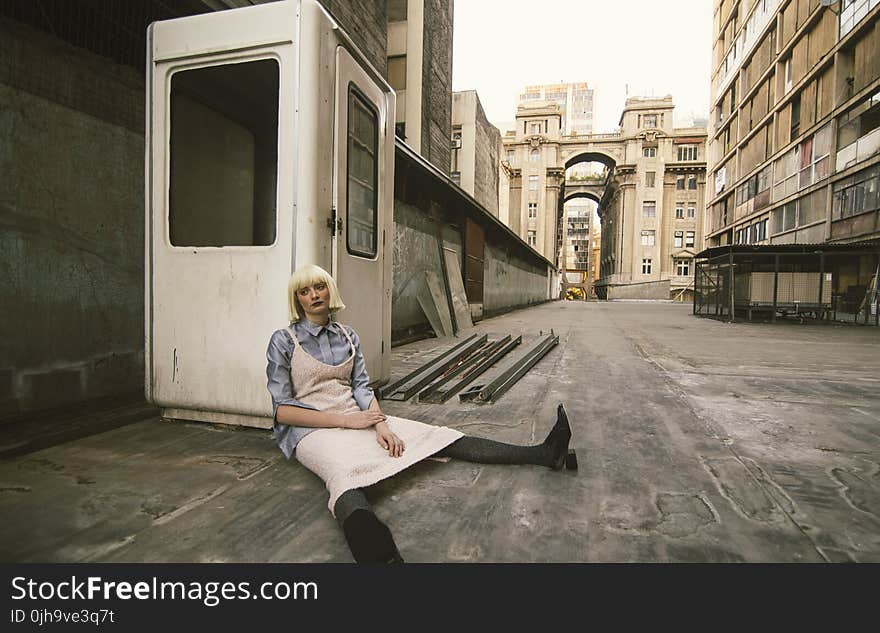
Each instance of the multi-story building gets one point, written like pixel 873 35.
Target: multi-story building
pixel 577 249
pixel 652 207
pixel 795 127
pixel 575 100
pixel 476 149
pixel 533 158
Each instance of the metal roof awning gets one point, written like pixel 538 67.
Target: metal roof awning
pixel 789 249
pixel 477 211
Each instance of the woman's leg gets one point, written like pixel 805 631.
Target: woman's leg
pixel 551 452
pixel 369 539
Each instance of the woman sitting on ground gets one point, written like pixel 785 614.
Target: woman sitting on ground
pixel 327 415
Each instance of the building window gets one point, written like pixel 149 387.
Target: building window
pixel 692 182
pixel 856 131
pixel 689 239
pixel 649 152
pixel 397 72
pixel 647 238
pixel 679 239
pixel 856 194
pixel 533 209
pixel 533 183
pixel 533 238
pixel 397 10
pixel 687 152
pixel 649 179
pixel 679 183
pixel 852 12
pixel 692 210
pixel 683 267
pixel 535 128
pixel 456 177
pixel 649 208
pixel 787 72
pixel 679 213
pixel 649 120
pixel 511 157
pixel 534 156
pixel 760 231
pixel 646 266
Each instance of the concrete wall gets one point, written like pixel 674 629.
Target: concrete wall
pixel 478 158
pixel 487 150
pixel 646 290
pixel 428 216
pixel 510 282
pixel 71 207
pixel 417 235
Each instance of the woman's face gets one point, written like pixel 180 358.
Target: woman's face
pixel 315 301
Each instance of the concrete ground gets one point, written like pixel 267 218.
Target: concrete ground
pixel 697 440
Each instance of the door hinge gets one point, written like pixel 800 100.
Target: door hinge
pixel 334 223
pixel 383 347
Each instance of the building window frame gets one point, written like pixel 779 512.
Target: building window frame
pixel 687 152
pixel 682 267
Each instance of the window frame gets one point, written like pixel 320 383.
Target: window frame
pixel 357 93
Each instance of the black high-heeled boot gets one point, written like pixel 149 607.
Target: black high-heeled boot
pixel 369 539
pixel 558 440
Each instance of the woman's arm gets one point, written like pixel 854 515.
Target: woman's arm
pixel 288 410
pixel 299 416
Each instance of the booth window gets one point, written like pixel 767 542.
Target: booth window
pixel 224 155
pixel 362 192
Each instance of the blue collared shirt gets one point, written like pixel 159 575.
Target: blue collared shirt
pixel 326 343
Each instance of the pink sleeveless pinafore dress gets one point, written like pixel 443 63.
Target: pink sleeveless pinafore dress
pixel 352 458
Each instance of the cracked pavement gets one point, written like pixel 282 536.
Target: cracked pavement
pixel 697 441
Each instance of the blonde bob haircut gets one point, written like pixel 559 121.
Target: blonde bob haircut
pixel 309 276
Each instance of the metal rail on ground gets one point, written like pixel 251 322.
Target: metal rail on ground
pixel 498 387
pixel 428 372
pixel 505 345
pixel 463 365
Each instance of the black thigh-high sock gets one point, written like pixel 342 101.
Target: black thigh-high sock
pixel 369 539
pixel 485 451
pixel 551 452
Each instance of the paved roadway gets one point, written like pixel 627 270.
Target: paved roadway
pixel 697 440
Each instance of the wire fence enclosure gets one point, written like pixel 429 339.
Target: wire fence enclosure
pixel 819 282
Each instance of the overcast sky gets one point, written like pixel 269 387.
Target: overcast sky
pixel 650 47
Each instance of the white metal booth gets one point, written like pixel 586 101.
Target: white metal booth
pixel 269 145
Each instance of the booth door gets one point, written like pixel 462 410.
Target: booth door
pixel 363 207
pixel 219 235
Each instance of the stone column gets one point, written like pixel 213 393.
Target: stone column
pixel 514 209
pixel 553 183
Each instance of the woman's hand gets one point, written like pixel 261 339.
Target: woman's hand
pixel 362 419
pixel 388 440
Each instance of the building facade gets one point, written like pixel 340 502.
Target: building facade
pixel 419 64
pixel 576 102
pixel 795 126
pixel 652 206
pixel 475 150
pixel 536 174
